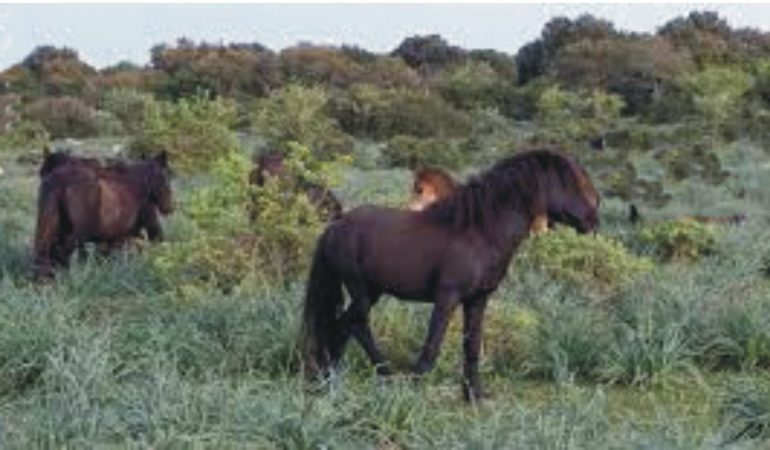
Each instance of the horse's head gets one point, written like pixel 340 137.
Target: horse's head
pixel 270 164
pixel 573 200
pixel 429 186
pixel 159 183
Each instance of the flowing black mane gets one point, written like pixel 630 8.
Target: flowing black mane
pixel 515 182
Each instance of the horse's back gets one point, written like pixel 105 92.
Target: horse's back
pixel 397 251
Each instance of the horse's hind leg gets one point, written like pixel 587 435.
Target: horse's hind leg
pixel 355 321
pixel 473 317
pixel 446 302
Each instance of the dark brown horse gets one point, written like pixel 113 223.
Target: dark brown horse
pixel 149 219
pixel 453 253
pixel 271 165
pixel 81 202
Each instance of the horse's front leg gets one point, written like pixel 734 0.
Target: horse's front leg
pixel 445 304
pixel 151 222
pixel 473 318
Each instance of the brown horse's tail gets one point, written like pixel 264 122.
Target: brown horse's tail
pixel 323 300
pixel 46 230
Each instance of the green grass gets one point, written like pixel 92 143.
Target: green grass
pixel 107 356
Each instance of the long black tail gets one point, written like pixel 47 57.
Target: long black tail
pixel 323 301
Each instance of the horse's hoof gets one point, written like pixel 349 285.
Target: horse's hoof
pixel 384 370
pixel 474 394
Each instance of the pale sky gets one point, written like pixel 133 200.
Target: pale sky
pixel 107 33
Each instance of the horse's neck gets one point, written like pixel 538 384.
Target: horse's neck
pixel 508 229
pixel 133 178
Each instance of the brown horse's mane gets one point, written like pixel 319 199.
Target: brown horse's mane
pixel 515 181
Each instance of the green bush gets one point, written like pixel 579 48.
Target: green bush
pixel 715 94
pixel 369 111
pixel 63 116
pixel 472 85
pixel 405 151
pixel 240 232
pixel 680 240
pixel 25 135
pixel 594 263
pixel 298 114
pixel 128 106
pixel 194 132
pixel 570 118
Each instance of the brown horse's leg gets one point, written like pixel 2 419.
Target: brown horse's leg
pixel 446 302
pixel 473 317
pixel 149 219
pixel 355 321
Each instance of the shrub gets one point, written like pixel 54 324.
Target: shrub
pixel 63 116
pixel 680 240
pixel 368 111
pixel 568 118
pixel 472 85
pixel 695 161
pixel 715 94
pixel 298 114
pixel 406 151
pixel 195 132
pixel 320 65
pixel 243 232
pixel 594 263
pixel 25 135
pixel 128 106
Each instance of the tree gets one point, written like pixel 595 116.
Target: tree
pixel 535 58
pixel 637 68
pixel 428 53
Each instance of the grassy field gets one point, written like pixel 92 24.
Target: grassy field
pixel 107 356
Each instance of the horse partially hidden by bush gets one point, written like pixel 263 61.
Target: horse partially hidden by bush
pixel 81 201
pixel 272 165
pixel 455 252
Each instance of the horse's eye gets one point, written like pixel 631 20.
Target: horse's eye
pixel 418 190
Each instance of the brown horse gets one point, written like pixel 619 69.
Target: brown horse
pixel 79 203
pixel 271 165
pixel 149 220
pixel 731 219
pixel 430 184
pixel 453 253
